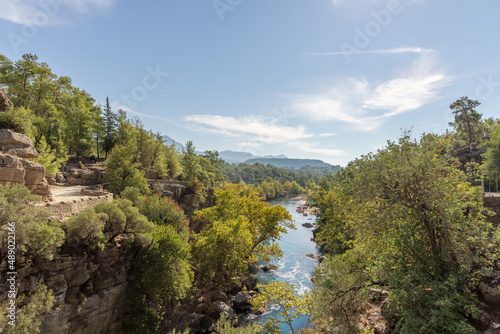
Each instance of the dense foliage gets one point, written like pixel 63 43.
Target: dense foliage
pixel 417 226
pixel 28 318
pixel 291 306
pixel 241 228
pixel 37 237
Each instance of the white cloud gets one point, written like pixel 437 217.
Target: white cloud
pixel 400 50
pixel 259 129
pixel 28 12
pixel 313 148
pixel 255 131
pixel 115 105
pixel 252 145
pixel 366 105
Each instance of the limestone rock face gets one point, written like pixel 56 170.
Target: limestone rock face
pixel 14 143
pixel 11 169
pixel 34 173
pixel 15 149
pixel 5 102
pixel 82 177
pixel 90 290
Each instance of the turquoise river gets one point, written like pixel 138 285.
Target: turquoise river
pixel 294 267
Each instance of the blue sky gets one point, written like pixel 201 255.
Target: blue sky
pixel 322 79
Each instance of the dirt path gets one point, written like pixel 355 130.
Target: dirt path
pixel 67 193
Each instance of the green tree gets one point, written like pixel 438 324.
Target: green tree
pixel 161 279
pixel 18 120
pixel 291 306
pixel 109 128
pixel 123 169
pixel 86 229
pixel 164 211
pixel 421 231
pixel 467 121
pixel 28 319
pixel 333 233
pixel 492 155
pixel 37 237
pixel 49 158
pixel 242 228
pixel 174 166
pixel 336 301
pixel 190 163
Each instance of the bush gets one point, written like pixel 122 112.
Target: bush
pixel 28 318
pixel 37 237
pixel 87 229
pixel 162 277
pixel 163 211
pixel 93 227
pixel 18 121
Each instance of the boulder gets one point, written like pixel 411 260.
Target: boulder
pixel 11 169
pixel 60 177
pixel 233 288
pixel 34 173
pixel 250 282
pixel 14 143
pixel 269 267
pixel 218 295
pixel 241 302
pixel 482 323
pixel 221 307
pixel 308 225
pixel 490 294
pixel 311 256
pixel 5 102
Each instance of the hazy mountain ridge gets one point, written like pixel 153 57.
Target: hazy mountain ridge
pixel 233 157
pixel 288 162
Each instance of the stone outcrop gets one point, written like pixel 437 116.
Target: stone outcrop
pixel 15 150
pixel 241 302
pixel 468 154
pixel 89 290
pixel 82 177
pixel 14 143
pixel 185 195
pixel 5 102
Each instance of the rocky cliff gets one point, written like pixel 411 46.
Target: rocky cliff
pixel 5 102
pixel 89 289
pixel 15 150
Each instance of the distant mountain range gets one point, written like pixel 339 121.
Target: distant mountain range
pixel 233 157
pixel 169 141
pixel 288 163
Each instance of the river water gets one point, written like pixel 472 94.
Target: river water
pixel 294 267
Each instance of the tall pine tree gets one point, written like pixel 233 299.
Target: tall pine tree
pixel 109 128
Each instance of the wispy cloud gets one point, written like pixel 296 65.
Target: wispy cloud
pixel 327 134
pixel 255 128
pixel 117 106
pixel 314 148
pixel 366 105
pixel 26 12
pixel 399 50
